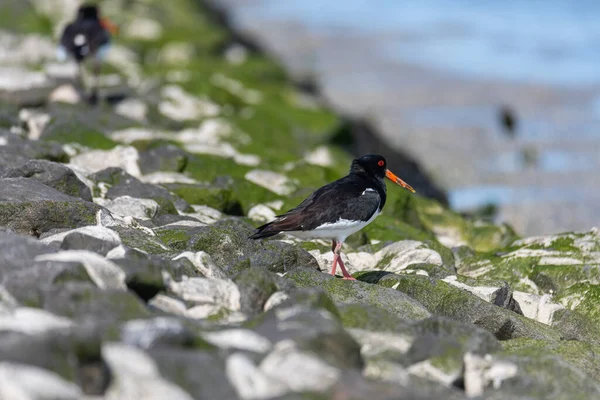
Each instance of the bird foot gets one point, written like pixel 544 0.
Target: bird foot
pixel 349 278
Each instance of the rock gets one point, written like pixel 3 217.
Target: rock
pixel 249 381
pixel 313 330
pixel 34 122
pixel 277 183
pixel 209 296
pixel 481 371
pixel 440 345
pixel 239 339
pixel 181 106
pixel 203 263
pixel 344 292
pixel 299 370
pixel 74 354
pixel 275 299
pixel 444 300
pixel 18 252
pixel 227 243
pixel 163 158
pixel 498 293
pixel 25 382
pixel 65 94
pixel 218 195
pixel 261 213
pixel 181 366
pixel 32 321
pixel 52 174
pixel 159 331
pixel 545 377
pixel 127 206
pixel 94 238
pixel 122 184
pixel 143 29
pixel 17 150
pixel 85 303
pixel 104 273
pixel 30 207
pixel 142 239
pixel 124 157
pixel 256 285
pixel 23 87
pixel 136 376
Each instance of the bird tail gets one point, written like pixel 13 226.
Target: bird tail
pixel 265 231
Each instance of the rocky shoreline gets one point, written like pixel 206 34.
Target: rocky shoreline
pixel 127 273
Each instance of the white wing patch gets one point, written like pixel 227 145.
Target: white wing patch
pixel 79 40
pixel 367 190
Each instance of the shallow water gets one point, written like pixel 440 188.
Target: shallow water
pixel 435 73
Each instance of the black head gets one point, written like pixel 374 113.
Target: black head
pixel 87 11
pixel 375 166
pixel 372 165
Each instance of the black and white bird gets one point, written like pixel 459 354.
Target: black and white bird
pixel 87 38
pixel 339 209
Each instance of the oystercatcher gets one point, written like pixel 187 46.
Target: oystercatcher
pixel 88 37
pixel 339 209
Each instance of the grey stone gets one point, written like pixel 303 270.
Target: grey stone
pixel 313 330
pixel 348 292
pixel 256 285
pixel 30 207
pixel 162 158
pixel 443 299
pixel 200 373
pixel 159 331
pixel 123 184
pixel 18 252
pixel 52 174
pixel 32 383
pixel 227 243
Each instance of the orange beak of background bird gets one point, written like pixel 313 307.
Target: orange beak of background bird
pixel 109 26
pixel 396 180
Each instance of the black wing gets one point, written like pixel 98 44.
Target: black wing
pixel 348 198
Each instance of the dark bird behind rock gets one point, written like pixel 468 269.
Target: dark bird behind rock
pixel 339 209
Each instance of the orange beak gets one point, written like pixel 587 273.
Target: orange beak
pixel 398 181
pixel 109 26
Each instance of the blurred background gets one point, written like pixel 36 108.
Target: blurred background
pixel 499 102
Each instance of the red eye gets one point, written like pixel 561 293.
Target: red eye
pixel 380 163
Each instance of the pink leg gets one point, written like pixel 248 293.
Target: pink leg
pixel 337 258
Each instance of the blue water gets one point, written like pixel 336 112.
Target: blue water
pixel 548 41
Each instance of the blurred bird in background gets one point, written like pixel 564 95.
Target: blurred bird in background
pixel 87 38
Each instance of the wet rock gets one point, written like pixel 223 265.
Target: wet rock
pixel 445 300
pixel 30 207
pixel 227 243
pixel 256 285
pixel 345 292
pixel 52 174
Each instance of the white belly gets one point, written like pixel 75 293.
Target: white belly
pixel 338 230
